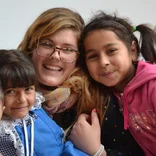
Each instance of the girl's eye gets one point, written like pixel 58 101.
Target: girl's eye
pixel 29 89
pixel 9 91
pixel 110 51
pixel 91 56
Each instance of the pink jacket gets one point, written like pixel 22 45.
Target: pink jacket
pixel 139 107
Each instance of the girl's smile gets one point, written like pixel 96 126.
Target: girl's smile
pixel 18 101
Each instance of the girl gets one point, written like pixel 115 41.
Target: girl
pixel 110 54
pixel 25 129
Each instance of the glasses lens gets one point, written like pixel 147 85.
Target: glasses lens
pixel 68 57
pixel 42 51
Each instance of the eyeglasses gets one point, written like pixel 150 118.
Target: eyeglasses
pixel 46 49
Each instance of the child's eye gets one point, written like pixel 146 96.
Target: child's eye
pixel 9 91
pixel 110 51
pixel 29 89
pixel 91 56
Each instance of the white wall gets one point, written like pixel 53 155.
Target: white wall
pixel 17 15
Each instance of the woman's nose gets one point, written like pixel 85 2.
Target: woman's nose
pixel 55 54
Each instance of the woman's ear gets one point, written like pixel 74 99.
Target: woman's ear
pixel 133 51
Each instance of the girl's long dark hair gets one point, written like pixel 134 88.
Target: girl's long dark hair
pixel 122 27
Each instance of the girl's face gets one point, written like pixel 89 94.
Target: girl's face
pixel 108 60
pixel 18 101
pixel 53 71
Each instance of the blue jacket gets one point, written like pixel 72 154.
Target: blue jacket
pixel 48 137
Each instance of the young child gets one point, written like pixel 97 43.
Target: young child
pixel 110 54
pixel 25 129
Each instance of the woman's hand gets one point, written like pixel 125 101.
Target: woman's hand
pixel 86 133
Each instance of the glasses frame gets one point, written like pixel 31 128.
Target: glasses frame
pixel 58 50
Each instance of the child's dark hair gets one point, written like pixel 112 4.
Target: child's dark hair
pixel 16 69
pixel 125 32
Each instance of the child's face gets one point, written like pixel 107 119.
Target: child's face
pixel 18 101
pixel 107 58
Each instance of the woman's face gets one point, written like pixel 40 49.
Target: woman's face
pixel 52 71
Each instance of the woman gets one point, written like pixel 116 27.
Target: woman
pixel 52 43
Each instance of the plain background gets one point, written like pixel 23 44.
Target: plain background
pixel 17 15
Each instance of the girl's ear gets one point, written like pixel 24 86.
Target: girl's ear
pixel 133 51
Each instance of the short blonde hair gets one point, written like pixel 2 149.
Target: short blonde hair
pixel 48 23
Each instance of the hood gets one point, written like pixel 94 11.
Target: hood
pixel 144 73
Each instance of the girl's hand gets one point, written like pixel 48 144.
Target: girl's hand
pixel 86 133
